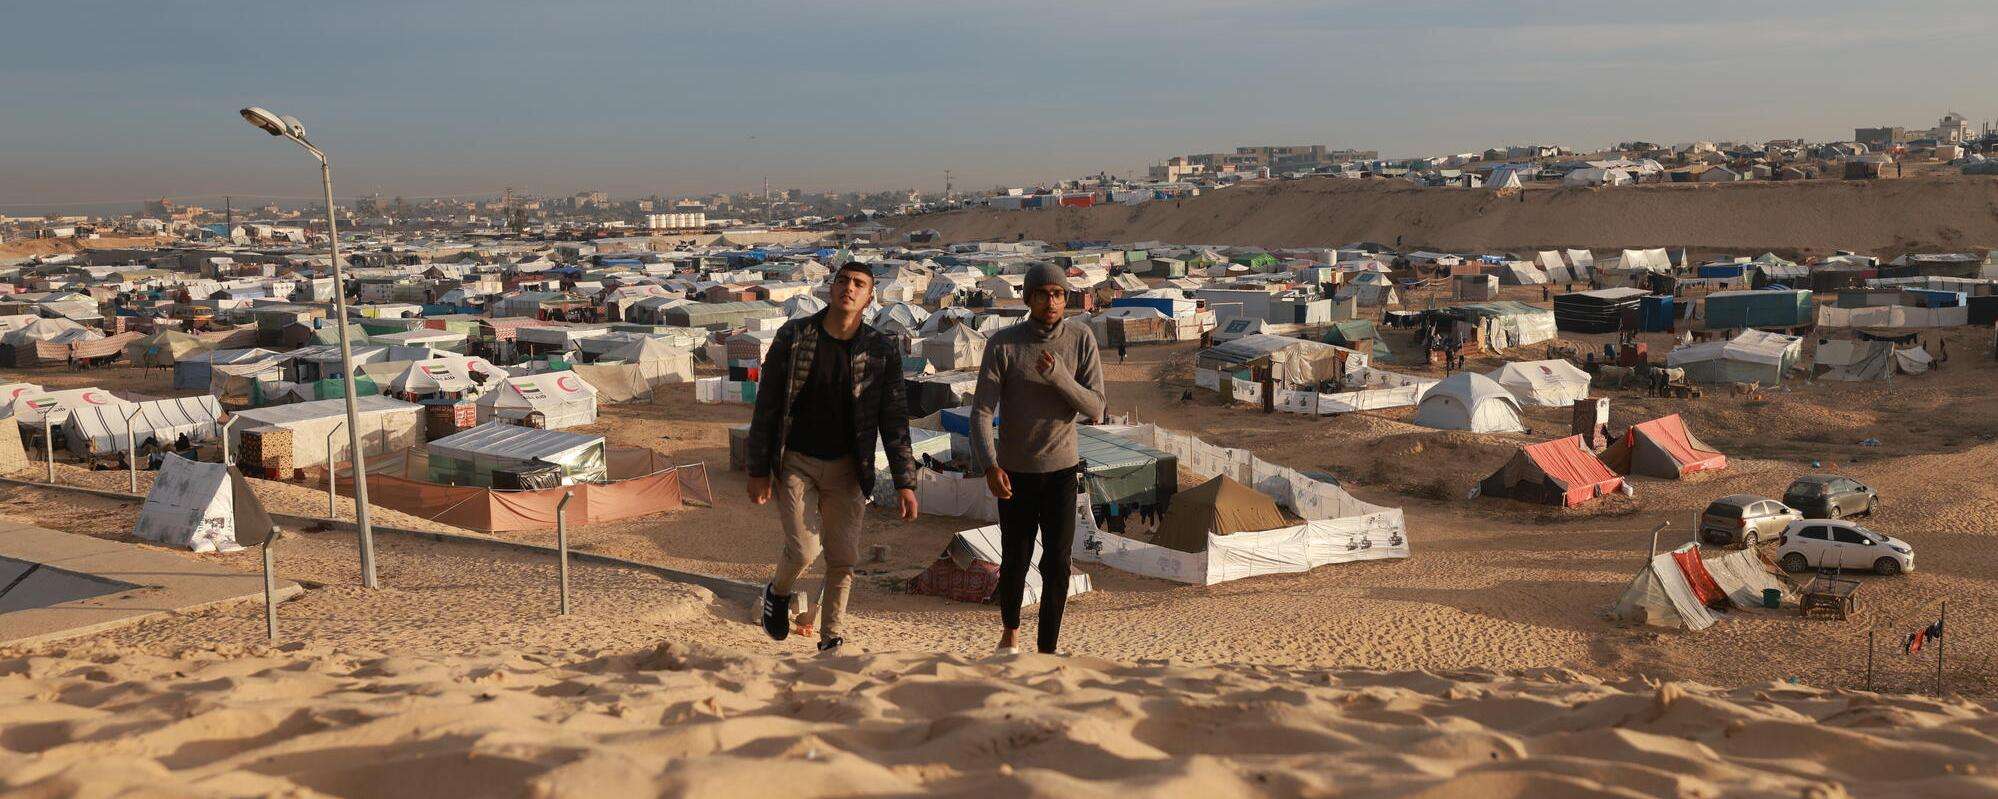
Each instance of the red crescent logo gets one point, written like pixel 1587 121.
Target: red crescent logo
pixel 567 383
pixel 18 392
pixel 90 397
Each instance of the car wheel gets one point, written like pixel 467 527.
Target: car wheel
pixel 1751 539
pixel 1870 505
pixel 1794 562
pixel 1886 567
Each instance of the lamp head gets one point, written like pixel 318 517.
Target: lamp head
pixel 265 120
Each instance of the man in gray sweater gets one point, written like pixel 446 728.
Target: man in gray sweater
pixel 1038 375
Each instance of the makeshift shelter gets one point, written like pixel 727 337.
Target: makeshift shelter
pixel 496 452
pixel 164 348
pixel 100 429
pixel 1504 324
pixel 51 331
pixel 1600 311
pixel 658 360
pixel 968 570
pixel 1556 383
pixel 1519 273
pixel 1854 360
pixel 387 425
pixel 1217 507
pixel 1662 447
pixel 205 507
pixel 1913 361
pixel 1753 356
pixel 560 399
pixel 1660 595
pixel 31 408
pixel 957 348
pixel 1559 472
pixel 1469 401
pixel 1120 471
pixel 455 375
pixel 196 371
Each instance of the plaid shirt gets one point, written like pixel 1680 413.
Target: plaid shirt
pixel 880 400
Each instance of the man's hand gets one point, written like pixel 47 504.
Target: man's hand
pixel 909 508
pixel 759 489
pixel 1046 364
pixel 1000 485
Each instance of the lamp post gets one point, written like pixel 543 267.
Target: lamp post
pixel 290 128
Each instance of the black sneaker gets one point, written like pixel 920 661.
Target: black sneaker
pixel 776 612
pixel 830 646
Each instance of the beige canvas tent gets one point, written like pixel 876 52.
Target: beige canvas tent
pixel 957 348
pixel 1220 506
pixel 164 348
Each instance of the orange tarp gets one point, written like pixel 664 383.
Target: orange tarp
pixel 653 488
pixel 1577 470
pixel 1704 587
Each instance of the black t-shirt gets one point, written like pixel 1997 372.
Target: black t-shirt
pixel 822 414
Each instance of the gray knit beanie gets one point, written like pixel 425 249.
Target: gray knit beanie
pixel 1044 274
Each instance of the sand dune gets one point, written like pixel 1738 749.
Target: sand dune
pixel 692 720
pixel 1804 217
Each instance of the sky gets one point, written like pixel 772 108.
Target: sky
pixel 122 101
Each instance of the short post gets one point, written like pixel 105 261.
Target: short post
pixel 1869 660
pixel 270 589
pixel 225 438
pixel 562 546
pixel 1654 537
pixel 132 450
pixel 332 470
pixel 48 444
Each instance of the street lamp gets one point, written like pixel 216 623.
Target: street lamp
pixel 290 128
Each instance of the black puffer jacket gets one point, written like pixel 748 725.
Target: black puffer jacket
pixel 880 400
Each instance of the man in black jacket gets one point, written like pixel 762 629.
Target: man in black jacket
pixel 831 386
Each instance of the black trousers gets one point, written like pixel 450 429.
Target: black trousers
pixel 1042 506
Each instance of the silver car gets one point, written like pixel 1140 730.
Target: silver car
pixel 1745 519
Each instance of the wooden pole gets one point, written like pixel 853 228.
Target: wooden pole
pixel 1869 660
pixel 270 590
pixel 48 443
pixel 562 546
pixel 332 471
pixel 132 451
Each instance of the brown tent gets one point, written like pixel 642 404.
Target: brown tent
pixel 1221 506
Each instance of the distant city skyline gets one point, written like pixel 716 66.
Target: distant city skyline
pixel 114 103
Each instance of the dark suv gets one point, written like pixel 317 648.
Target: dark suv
pixel 1829 496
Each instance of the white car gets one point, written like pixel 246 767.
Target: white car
pixel 1828 543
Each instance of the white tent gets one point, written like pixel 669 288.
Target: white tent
pixel 443 375
pixel 1851 360
pixel 1520 273
pixel 1594 176
pixel 205 507
pixel 30 408
pixel 562 398
pixel 1913 361
pixel 471 457
pixel 100 429
pixel 53 331
pixel 957 348
pixel 1508 179
pixel 802 306
pixel 658 360
pixel 1469 401
pixel 387 424
pixel 1660 596
pixel 1553 383
pixel 1753 356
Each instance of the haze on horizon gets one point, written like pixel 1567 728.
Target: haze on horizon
pixel 116 102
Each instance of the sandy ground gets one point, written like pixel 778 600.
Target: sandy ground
pixel 1927 213
pixel 1516 593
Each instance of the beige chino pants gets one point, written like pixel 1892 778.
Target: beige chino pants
pixel 801 482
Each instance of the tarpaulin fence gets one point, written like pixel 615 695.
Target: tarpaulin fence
pixel 655 487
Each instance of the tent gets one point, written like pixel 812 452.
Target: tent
pixel 1913 361
pixel 53 331
pixel 470 458
pixel 968 570
pixel 1553 383
pixel 563 399
pixel 387 424
pixel 13 455
pixel 439 375
pixel 205 507
pixel 1595 176
pixel 1219 506
pixel 1660 595
pixel 1662 447
pixel 659 361
pixel 56 406
pixel 164 348
pixel 1754 355
pixel 1469 401
pixel 1558 472
pixel 1520 273
pixel 957 348
pixel 1853 360
pixel 196 371
pixel 100 429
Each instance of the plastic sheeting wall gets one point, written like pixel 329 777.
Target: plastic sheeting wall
pixel 1892 316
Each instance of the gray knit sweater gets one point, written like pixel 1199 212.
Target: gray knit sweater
pixel 1037 412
